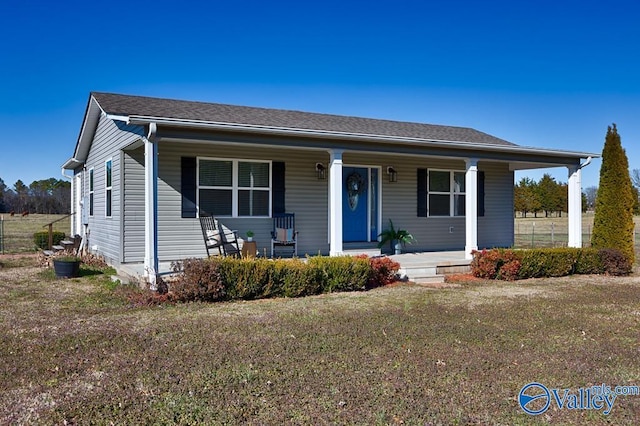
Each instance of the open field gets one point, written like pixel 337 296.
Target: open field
pixel 75 351
pixel 18 230
pixel 552 231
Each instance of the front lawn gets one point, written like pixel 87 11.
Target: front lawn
pixel 77 351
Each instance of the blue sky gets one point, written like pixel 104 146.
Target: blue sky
pixel 537 73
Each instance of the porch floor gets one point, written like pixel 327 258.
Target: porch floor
pixel 418 267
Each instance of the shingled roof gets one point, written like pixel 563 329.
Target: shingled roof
pixel 140 106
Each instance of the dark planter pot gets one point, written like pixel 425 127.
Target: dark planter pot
pixel 66 268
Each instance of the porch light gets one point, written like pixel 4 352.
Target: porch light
pixel 393 175
pixel 321 170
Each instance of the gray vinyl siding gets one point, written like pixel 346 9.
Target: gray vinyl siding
pixel 105 233
pixel 133 206
pixel 307 197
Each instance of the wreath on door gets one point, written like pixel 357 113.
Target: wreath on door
pixel 356 185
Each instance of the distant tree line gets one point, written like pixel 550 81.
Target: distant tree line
pixel 550 197
pixel 48 196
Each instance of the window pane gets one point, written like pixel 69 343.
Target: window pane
pixel 253 203
pixel 439 181
pixel 215 173
pixel 108 212
pixel 91 180
pixel 91 204
pixel 438 205
pixel 215 202
pixel 458 181
pixel 108 167
pixel 458 205
pixel 253 175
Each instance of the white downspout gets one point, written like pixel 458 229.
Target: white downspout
pixel 471 207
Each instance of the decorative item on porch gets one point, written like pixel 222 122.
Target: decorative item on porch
pixel 250 235
pixel 66 266
pixel 396 237
pixel 356 185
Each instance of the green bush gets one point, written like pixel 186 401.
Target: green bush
pixel 41 239
pixel 298 279
pixel 555 262
pixel 342 273
pixel 245 278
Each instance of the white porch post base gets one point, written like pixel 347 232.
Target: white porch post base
pixel 575 206
pixel 471 207
pixel 335 203
pixel 151 212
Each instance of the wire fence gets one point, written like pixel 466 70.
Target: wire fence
pixel 17 232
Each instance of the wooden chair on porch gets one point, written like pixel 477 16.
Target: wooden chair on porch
pixel 284 232
pixel 218 236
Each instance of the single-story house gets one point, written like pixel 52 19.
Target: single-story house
pixel 144 170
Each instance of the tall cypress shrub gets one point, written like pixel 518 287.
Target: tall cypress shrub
pixel 613 220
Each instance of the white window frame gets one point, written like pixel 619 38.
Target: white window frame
pixel 92 187
pixel 108 189
pixel 451 193
pixel 235 188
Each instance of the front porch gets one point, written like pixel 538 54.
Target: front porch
pixel 419 267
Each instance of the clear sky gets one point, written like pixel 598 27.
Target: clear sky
pixel 537 73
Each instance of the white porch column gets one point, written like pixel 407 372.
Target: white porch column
pixel 151 212
pixel 575 206
pixel 335 202
pixel 471 207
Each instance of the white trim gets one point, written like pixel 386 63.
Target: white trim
pixel 108 189
pixel 235 187
pixel 471 207
pixel 335 203
pixel 575 207
pixel 138 119
pixel 151 212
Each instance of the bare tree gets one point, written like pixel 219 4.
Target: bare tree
pixel 591 192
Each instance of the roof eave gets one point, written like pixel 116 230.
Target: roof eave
pixel 284 131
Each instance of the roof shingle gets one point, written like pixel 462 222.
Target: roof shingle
pixel 127 105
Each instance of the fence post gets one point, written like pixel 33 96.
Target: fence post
pixel 553 243
pixel 2 234
pixel 533 235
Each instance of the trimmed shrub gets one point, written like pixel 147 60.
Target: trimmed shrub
pixel 297 279
pixel 615 262
pixel 41 239
pixel 384 271
pixel 342 273
pixel 245 278
pixel 199 280
pixel 589 262
pixel 555 262
pixel 502 264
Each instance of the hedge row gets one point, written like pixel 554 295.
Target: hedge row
pixel 217 279
pixel 507 264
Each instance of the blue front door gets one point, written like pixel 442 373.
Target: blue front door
pixel 355 204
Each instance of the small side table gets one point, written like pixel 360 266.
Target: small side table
pixel 249 248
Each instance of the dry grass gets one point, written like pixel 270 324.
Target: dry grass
pixel 74 351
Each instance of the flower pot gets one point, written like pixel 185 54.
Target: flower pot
pixel 66 268
pixel 398 247
pixel 249 239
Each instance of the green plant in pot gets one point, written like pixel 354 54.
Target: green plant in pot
pixel 250 235
pixel 66 266
pixel 396 237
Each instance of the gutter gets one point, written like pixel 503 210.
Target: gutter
pixel 285 131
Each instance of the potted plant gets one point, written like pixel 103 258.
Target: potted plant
pixel 66 266
pixel 396 237
pixel 250 235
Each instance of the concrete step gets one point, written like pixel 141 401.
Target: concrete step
pixel 418 271
pixel 428 281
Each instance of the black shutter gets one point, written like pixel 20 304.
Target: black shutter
pixel 422 192
pixel 188 186
pixel 480 193
pixel 277 189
